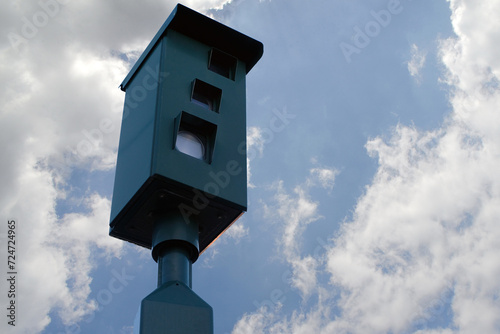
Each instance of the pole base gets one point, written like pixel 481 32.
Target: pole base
pixel 174 308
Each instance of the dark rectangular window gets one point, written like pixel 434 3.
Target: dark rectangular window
pixel 222 63
pixel 195 137
pixel 206 95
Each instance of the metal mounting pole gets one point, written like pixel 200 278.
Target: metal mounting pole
pixel 173 308
pixel 174 265
pixel 175 247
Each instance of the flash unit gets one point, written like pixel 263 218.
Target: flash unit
pixel 190 144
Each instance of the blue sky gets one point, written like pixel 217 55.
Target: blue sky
pixel 374 209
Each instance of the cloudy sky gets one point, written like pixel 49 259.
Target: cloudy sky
pixel 375 208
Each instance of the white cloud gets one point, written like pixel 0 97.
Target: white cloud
pixel 255 148
pixel 237 231
pixel 325 176
pixel 55 257
pixel 265 321
pixel 61 65
pixel 304 276
pixel 58 112
pixel 255 141
pixel 417 62
pixel 76 235
pixel 205 5
pixel 255 323
pixel 423 241
pixel 294 212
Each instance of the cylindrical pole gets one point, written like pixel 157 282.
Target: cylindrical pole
pixel 175 247
pixel 174 265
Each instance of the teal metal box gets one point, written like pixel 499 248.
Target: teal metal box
pixel 187 87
